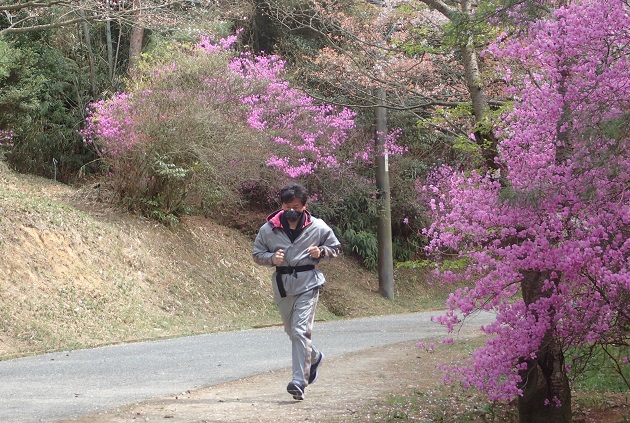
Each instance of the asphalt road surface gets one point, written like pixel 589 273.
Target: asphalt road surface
pixel 70 384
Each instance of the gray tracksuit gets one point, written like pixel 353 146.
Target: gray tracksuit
pixel 296 288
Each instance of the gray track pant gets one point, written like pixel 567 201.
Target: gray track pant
pixel 298 315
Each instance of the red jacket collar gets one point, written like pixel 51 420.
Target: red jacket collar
pixel 276 222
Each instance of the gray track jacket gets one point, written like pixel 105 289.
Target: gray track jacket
pixel 272 237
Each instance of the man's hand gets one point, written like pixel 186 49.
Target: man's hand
pixel 278 258
pixel 314 251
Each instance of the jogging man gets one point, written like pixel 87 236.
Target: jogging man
pixel 294 242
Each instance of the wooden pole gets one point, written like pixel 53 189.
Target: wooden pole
pixel 384 222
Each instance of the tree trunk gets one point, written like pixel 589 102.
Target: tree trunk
pixel 110 48
pixel 546 391
pixel 90 54
pixel 137 33
pixel 484 136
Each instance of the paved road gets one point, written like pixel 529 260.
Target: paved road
pixel 69 384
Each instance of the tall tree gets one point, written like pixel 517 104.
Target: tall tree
pixel 90 53
pixel 23 16
pixel 109 44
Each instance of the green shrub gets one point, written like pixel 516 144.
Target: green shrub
pixel 38 105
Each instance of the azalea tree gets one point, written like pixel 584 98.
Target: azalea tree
pixel 546 243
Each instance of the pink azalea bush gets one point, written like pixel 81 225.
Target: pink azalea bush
pixel 206 121
pixel 561 205
pixel 304 135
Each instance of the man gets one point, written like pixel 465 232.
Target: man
pixel 294 241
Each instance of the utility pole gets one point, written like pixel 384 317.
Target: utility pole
pixel 385 262
pixel 384 222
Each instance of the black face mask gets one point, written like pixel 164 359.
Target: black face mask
pixel 292 216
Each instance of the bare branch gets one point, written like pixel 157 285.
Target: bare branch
pixel 32 4
pixel 441 7
pixel 24 29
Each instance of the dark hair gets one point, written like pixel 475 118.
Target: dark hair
pixel 291 191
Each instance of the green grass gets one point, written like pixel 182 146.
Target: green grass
pixel 601 368
pixel 600 377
